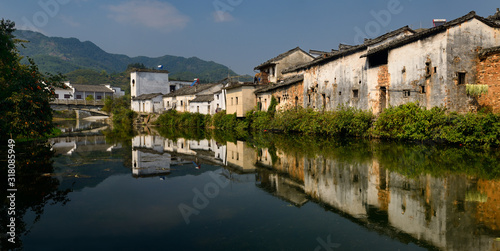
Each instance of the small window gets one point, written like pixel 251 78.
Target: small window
pixel 99 97
pixel 422 89
pixel 427 69
pixel 57 95
pixel 340 93
pixel 133 82
pixel 355 93
pixel 168 103
pixel 461 78
pixel 67 96
pixel 181 102
pixel 217 97
pixel 78 96
pixel 198 109
pixel 435 69
pixel 236 100
pixel 406 93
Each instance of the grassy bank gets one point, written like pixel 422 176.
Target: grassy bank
pixel 407 122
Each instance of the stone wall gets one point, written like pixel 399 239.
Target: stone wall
pixel 488 73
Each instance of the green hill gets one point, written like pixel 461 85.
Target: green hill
pixel 65 55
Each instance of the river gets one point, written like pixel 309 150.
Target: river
pixel 168 191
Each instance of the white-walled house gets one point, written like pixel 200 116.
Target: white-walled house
pixel 81 92
pixel 148 103
pixel 145 81
pixel 180 99
pixel 201 104
pixel 219 102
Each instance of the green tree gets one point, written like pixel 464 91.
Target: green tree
pixel 25 93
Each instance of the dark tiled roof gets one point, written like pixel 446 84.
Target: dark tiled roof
pixel 431 32
pixel 344 51
pixel 190 90
pixel 279 57
pixel 150 70
pixel 286 82
pixel 496 16
pixel 236 85
pixel 147 96
pixel 91 88
pixel 203 98
pixel 487 51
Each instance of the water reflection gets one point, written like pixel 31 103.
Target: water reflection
pixel 79 125
pixel 453 211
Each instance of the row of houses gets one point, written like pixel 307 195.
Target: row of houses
pixel 80 92
pixel 433 67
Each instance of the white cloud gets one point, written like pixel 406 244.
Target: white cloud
pixel 150 13
pixel 222 16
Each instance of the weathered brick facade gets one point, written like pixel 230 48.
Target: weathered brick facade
pixel 290 96
pixel 488 73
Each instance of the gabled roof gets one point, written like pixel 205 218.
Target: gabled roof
pixel 487 51
pixel 91 88
pixel 431 32
pixel 147 96
pixel 203 98
pixel 236 85
pixel 190 90
pixel 286 82
pixel 346 50
pixel 149 70
pixel 279 57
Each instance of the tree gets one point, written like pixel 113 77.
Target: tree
pixel 25 93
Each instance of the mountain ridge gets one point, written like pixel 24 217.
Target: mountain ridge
pixel 64 55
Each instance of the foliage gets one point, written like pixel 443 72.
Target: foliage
pixel 410 122
pixel 476 90
pixel 176 119
pixel 89 98
pixel 122 116
pixel 25 93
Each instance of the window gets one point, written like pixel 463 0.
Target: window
pixel 406 93
pixel 78 96
pixel 231 101
pixel 461 78
pixel 236 100
pixel 99 97
pixel 181 102
pixel 355 93
pixel 133 82
pixel 57 95
pixel 279 100
pixel 435 69
pixel 67 96
pixel 209 108
pixel 172 88
pixel 168 103
pixel 198 109
pixel 217 97
pixel 422 89
pixel 340 93
pixel 428 69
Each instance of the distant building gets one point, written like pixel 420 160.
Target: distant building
pixel 80 92
pixel 180 99
pixel 148 103
pixel 240 98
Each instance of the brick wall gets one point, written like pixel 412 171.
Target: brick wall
pixel 488 73
pixel 287 96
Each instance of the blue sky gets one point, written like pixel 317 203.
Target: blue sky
pixel 238 33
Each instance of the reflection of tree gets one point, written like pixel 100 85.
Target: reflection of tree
pixel 35 188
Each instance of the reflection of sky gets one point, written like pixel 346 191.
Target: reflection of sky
pixel 124 213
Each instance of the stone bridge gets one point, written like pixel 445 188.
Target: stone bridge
pixel 93 107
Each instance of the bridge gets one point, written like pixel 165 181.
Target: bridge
pixel 91 106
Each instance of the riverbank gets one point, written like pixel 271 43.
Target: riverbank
pixel 407 122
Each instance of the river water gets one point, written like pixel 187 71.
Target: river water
pixel 169 191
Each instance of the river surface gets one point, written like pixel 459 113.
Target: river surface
pixel 268 192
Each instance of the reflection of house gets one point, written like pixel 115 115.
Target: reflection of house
pixel 148 103
pixel 148 157
pixel 270 71
pixel 241 156
pixel 282 187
